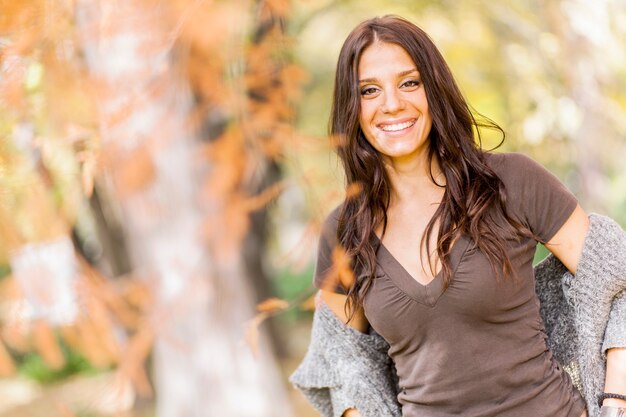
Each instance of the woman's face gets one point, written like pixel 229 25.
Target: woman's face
pixel 394 111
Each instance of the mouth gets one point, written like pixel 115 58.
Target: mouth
pixel 396 126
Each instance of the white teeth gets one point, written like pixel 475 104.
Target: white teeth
pixel 398 126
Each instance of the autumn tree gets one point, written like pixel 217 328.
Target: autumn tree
pixel 182 146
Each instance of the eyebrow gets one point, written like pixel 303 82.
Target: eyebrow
pixel 400 74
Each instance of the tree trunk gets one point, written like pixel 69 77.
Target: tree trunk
pixel 202 302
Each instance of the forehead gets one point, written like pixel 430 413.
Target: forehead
pixel 382 59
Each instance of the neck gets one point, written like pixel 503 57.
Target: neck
pixel 411 179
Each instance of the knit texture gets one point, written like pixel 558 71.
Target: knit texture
pixel 615 335
pixel 584 308
pixel 344 368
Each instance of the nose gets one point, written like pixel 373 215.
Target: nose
pixel 392 102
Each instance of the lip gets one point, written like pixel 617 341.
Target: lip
pixel 396 121
pixel 381 125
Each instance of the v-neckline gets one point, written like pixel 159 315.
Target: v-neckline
pixel 429 293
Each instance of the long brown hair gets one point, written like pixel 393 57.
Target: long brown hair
pixel 474 198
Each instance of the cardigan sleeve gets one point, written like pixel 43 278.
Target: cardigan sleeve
pixel 615 334
pixel 552 282
pixel 586 314
pixel 600 277
pixel 344 368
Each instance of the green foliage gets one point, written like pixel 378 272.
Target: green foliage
pixel 294 285
pixel 5 270
pixel 32 366
pixel 540 254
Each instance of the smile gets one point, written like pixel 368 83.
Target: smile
pixel 394 127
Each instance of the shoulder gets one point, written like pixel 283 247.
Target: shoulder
pixel 328 239
pixel 533 194
pixel 331 223
pixel 332 218
pixel 327 276
pixel 506 162
pixel 518 170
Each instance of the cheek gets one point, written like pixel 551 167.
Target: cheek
pixel 363 120
pixel 366 113
pixel 423 103
pixel 366 127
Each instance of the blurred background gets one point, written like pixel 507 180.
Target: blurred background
pixel 164 171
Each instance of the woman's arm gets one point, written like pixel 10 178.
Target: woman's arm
pixel 337 302
pixel 567 245
pixel 615 381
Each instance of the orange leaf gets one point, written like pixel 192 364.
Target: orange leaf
pixel 134 172
pixel 279 7
pixel 64 410
pixel 252 333
pixel 308 304
pixel 136 354
pixel 271 305
pixel 353 190
pixel 139 378
pixel 15 336
pixel 265 197
pixel 91 343
pixel 71 336
pixel 88 175
pixel 103 329
pixel 346 277
pixel 47 346
pixel 341 271
pixel 338 141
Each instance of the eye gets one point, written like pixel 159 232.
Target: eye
pixel 411 83
pixel 368 91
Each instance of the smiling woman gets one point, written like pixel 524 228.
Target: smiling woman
pixel 462 321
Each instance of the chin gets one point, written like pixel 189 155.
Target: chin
pixel 400 151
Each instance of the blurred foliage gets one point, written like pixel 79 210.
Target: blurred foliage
pixel 47 159
pixel 540 253
pixel 34 367
pixel 53 109
pixel 5 270
pixel 292 285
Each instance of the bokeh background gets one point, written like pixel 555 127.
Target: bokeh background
pixel 164 171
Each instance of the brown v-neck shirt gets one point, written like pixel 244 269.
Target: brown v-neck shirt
pixel 477 348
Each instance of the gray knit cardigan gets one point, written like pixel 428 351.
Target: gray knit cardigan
pixel 584 315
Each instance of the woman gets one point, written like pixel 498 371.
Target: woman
pixel 441 239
